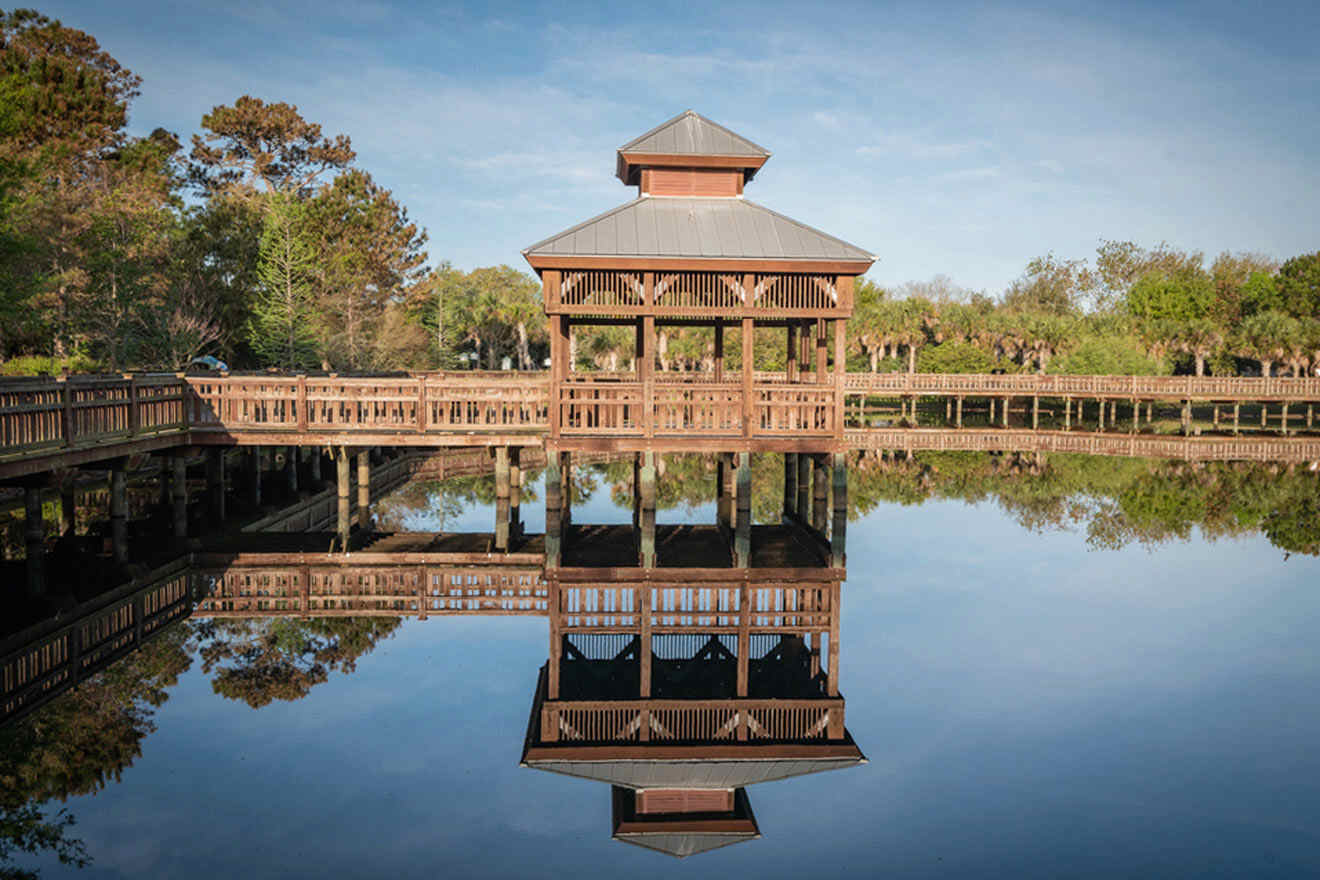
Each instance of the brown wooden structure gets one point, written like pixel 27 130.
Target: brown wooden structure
pixel 691 250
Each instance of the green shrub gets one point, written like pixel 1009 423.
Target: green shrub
pixel 42 365
pixel 1107 356
pixel 954 357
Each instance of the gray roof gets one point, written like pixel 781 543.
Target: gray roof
pixel 686 844
pixel 700 774
pixel 712 228
pixel 691 134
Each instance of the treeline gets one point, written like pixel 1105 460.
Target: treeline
pixel 262 241
pixel 1135 310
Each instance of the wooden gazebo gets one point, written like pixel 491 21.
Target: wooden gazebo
pixel 691 250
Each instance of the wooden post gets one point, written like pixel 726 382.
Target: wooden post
pixel 566 493
pixel 839 525
pixel 556 642
pixel 254 477
pixel 1237 413
pixel 66 410
pixel 790 359
pixel 1283 420
pixel 291 455
pixel 119 511
pixel 719 350
pixel 1100 416
pixel 803 509
pixel 342 480
pixel 948 410
pixel 34 540
pixel 723 500
pixel 554 523
pixel 840 373
pixel 644 643
pixel 637 499
pixel 69 504
pixel 820 499
pixel 1004 414
pixel 502 498
pixel 1035 412
pixel 832 674
pixel 364 490
pixel 179 492
pixel 822 354
pixel 744 635
pixel 742 541
pixel 302 403
pixel 215 484
pixel 748 365
pixel 648 374
pixel 1264 414
pixel 958 411
pixel 1136 416
pixel 558 352
pixel 1187 418
pixel 790 485
pixel 1067 414
pixel 134 413
pixel 648 501
pixel 515 493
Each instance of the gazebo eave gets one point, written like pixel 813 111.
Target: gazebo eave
pixel 540 262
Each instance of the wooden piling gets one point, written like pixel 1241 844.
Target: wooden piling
pixel 364 490
pixel 119 511
pixel 790 485
pixel 343 522
pixel 839 525
pixel 648 502
pixel 34 540
pixel 179 492
pixel 742 538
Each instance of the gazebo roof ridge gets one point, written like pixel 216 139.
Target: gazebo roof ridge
pixel 690 140
pixel 695 127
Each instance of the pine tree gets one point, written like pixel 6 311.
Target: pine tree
pixel 280 330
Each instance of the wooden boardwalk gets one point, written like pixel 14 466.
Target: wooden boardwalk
pixel 54 423
pixel 1281 449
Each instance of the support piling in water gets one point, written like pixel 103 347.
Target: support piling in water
pixel 742 528
pixel 648 496
pixel 34 540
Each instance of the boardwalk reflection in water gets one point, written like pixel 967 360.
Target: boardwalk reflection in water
pixel 677 689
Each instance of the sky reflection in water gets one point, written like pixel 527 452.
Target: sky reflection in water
pixel 1029 706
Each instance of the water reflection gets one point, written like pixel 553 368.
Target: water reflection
pixel 677 690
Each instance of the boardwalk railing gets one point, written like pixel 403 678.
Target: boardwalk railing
pixel 733 720
pixel 1126 387
pixel 57 656
pixel 335 590
pixel 41 416
pixel 44 417
pixel 1282 449
pixel 671 406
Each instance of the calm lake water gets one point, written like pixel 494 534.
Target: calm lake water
pixel 1051 669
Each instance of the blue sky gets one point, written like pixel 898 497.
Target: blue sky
pixel 949 138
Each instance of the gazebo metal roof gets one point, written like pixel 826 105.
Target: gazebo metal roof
pixel 678 228
pixel 691 134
